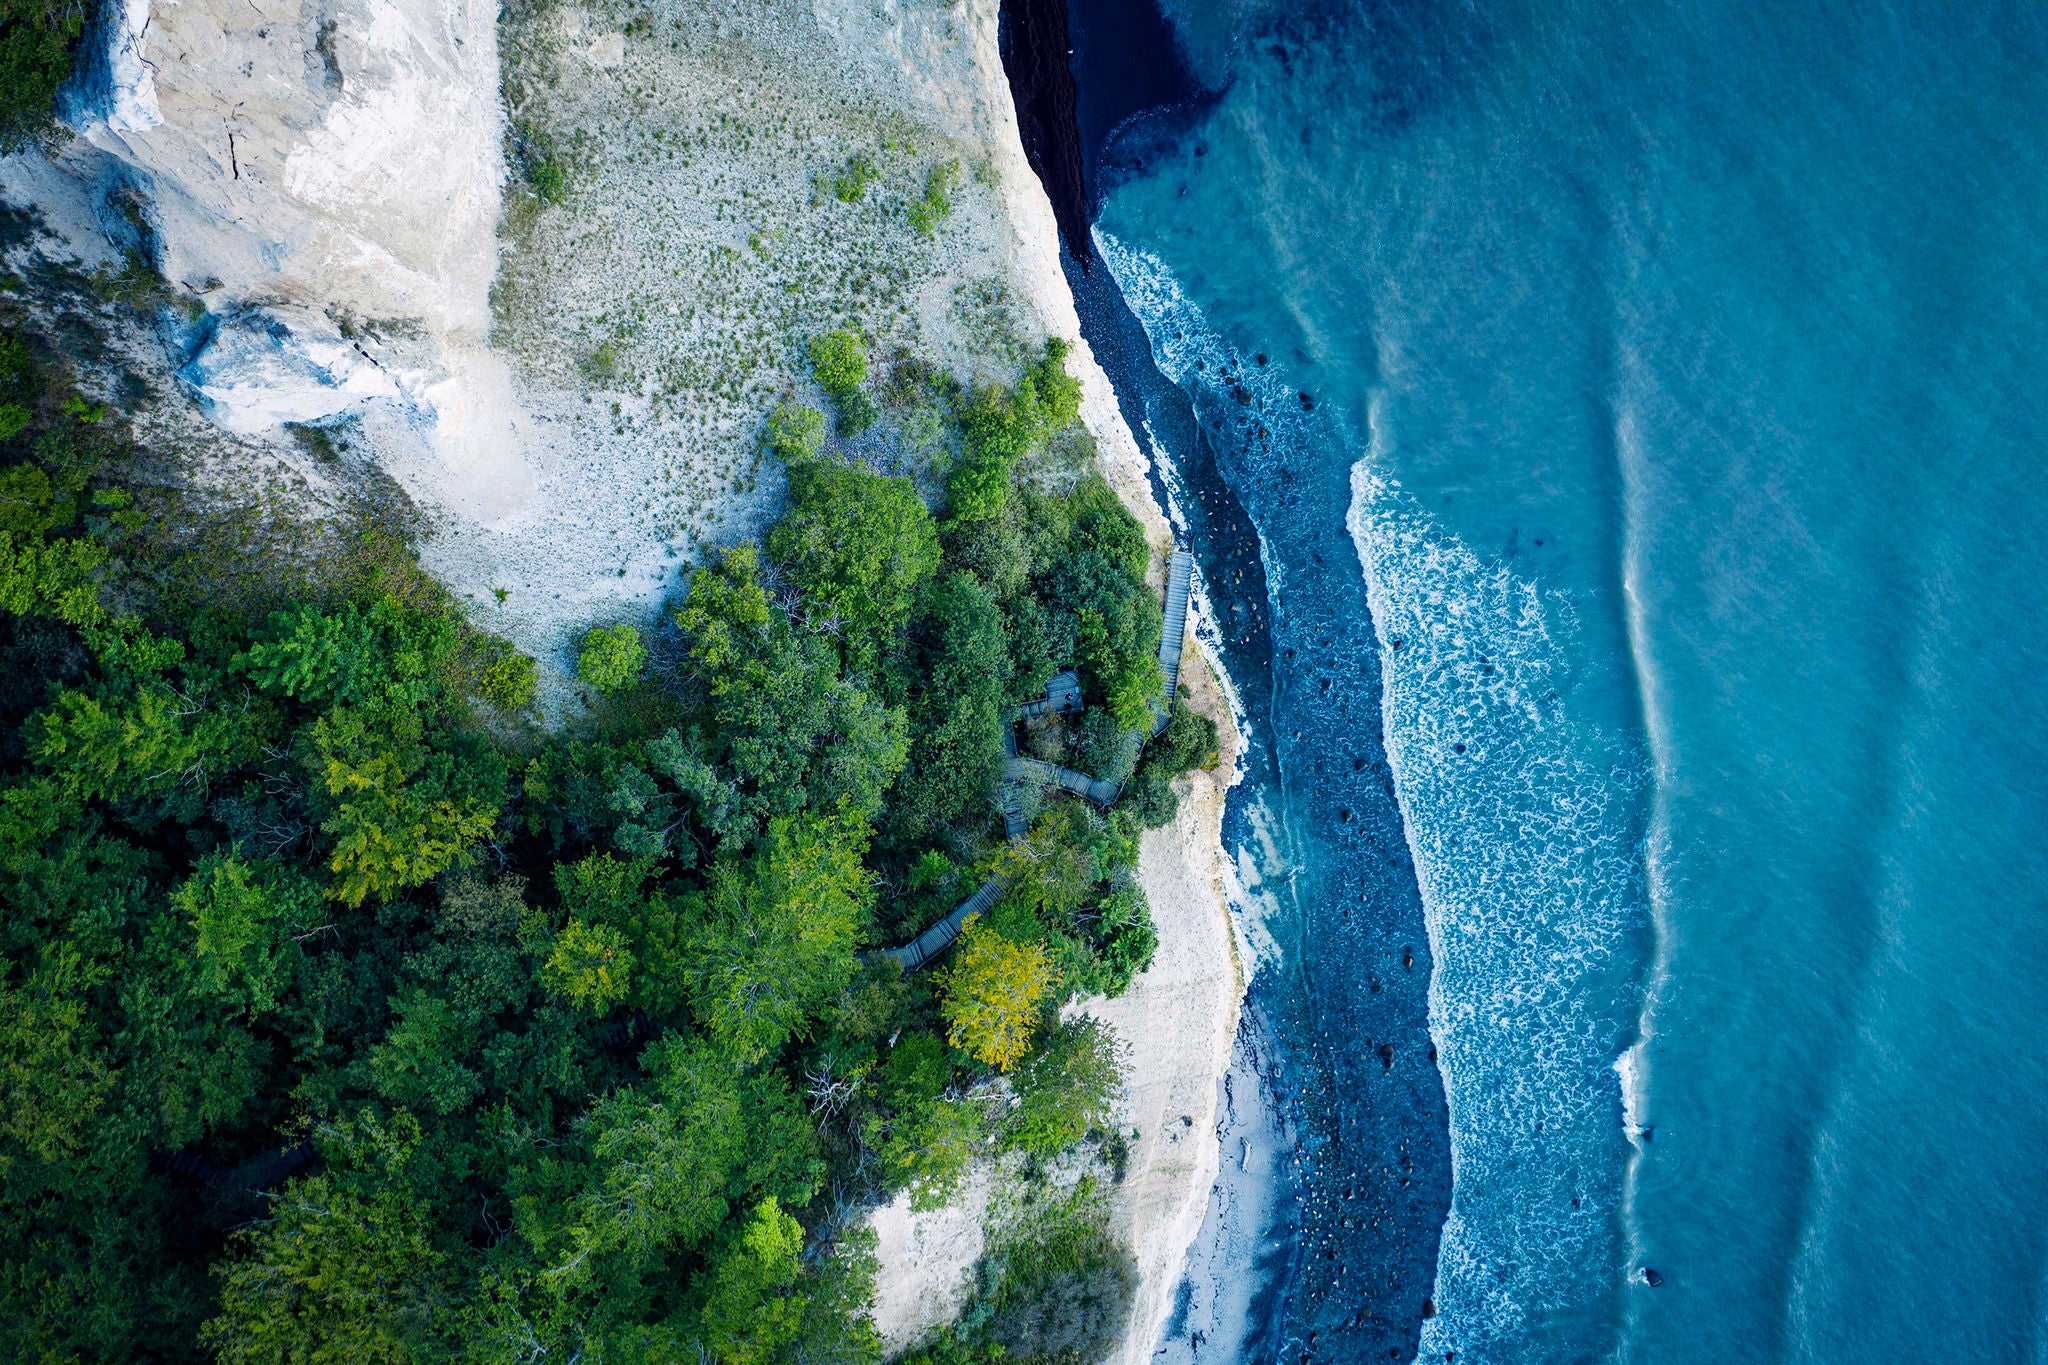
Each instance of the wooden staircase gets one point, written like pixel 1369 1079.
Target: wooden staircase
pixel 1063 697
pixel 1180 575
pixel 940 936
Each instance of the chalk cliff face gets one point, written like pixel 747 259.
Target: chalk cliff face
pixel 324 176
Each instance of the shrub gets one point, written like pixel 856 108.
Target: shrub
pixel 1063 1290
pixel 1066 1087
pixel 937 204
pixel 1058 393
pixel 1187 742
pixel 794 433
pixel 549 179
pixel 850 186
pixel 839 362
pixel 601 366
pixel 928 1147
pixel 506 680
pixel 1124 941
pixel 612 657
pixel 911 380
pixel 998 427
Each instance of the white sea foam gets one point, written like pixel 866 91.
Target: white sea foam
pixel 1629 1070
pixel 1522 822
pixel 1258 865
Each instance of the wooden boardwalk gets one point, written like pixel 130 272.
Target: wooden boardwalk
pixel 940 936
pixel 1180 575
pixel 1063 697
pixel 1066 779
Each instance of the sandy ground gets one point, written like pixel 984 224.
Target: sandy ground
pixel 927 1261
pixel 1177 1020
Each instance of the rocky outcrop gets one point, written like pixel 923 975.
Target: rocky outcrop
pixel 323 177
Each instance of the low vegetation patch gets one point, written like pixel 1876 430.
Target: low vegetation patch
pixel 1055 1287
pixel 850 186
pixel 936 204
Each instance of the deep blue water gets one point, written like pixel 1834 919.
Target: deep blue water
pixel 1668 502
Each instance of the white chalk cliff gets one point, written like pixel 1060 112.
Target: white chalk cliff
pixel 324 175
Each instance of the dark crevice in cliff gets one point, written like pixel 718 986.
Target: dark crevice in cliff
pixel 1100 88
pixel 1032 37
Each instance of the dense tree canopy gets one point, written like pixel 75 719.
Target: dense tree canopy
pixel 348 1015
pixel 781 719
pixel 860 546
pixel 959 705
pixel 777 935
pixel 38 39
pixel 1092 581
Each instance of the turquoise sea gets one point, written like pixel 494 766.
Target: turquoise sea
pixel 1642 410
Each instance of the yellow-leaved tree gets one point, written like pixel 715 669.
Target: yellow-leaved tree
pixel 993 995
pixel 589 966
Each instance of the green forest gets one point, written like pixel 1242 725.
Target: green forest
pixel 38 42
pixel 348 1013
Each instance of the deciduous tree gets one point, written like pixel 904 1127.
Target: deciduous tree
pixel 860 546
pixel 612 657
pixel 994 994
pixel 776 941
